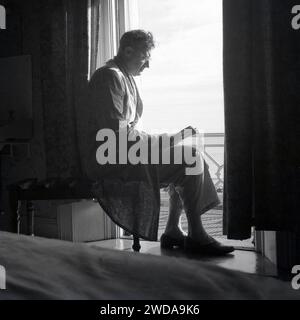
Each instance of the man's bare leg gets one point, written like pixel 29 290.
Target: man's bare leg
pixel 197 194
pixel 196 230
pixel 173 227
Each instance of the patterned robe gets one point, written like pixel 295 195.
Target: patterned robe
pixel 129 194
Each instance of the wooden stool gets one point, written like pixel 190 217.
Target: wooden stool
pixel 51 189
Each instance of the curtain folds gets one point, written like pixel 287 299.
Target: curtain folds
pixel 77 71
pixel 261 92
pixel 103 37
pixel 64 70
pixel 109 20
pixel 94 33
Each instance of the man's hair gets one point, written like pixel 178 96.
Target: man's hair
pixel 137 39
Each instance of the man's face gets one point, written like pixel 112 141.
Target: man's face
pixel 137 60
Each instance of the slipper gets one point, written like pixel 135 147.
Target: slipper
pixel 214 248
pixel 167 242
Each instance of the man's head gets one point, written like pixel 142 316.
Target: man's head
pixel 135 49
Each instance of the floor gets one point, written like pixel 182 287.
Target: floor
pixel 242 260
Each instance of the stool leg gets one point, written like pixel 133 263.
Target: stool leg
pixel 15 209
pixel 19 216
pixel 136 244
pixel 30 215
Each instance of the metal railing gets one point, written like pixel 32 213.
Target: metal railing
pixel 210 157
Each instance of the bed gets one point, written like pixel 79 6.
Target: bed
pixel 39 268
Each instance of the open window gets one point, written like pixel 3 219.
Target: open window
pixel 184 86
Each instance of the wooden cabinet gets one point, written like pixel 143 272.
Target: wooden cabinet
pixel 84 221
pixel 76 221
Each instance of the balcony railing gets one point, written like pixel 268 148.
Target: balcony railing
pixel 214 156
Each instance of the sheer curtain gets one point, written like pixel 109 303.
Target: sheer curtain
pixel 108 20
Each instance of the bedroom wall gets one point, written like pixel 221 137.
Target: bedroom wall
pixel 21 37
pixel 53 33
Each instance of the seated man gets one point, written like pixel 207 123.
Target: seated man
pixel 114 96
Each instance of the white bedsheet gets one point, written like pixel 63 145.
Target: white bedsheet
pixel 39 268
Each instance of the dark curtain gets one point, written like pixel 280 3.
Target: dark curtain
pixel 262 114
pixel 64 70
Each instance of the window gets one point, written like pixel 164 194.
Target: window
pixel 184 84
pixel 185 81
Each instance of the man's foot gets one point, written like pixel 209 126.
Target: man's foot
pixel 208 248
